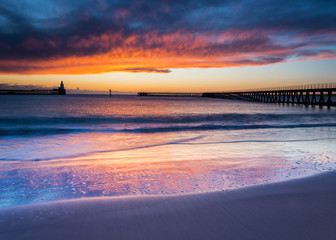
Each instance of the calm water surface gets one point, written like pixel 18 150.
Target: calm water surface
pixel 64 147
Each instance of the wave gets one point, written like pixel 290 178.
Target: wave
pixel 186 141
pixel 192 118
pixel 38 131
pixel 106 151
pixel 206 127
pixel 262 141
pixel 12 132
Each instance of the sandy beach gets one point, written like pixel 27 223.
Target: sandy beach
pixel 297 209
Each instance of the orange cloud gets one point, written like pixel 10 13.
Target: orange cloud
pixel 155 52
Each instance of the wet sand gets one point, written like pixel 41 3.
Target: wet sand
pixel 298 209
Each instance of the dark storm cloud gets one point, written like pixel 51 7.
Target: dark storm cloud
pixel 55 29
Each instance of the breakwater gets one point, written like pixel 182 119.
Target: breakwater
pixel 169 94
pixel 57 91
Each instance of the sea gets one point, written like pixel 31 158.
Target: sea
pixel 55 148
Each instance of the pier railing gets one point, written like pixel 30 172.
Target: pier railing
pixel 290 87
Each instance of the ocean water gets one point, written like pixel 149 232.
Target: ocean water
pixel 76 146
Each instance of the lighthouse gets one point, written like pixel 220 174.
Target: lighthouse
pixel 61 89
pixel 62 85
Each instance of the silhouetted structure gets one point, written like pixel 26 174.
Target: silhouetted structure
pixel 61 89
pixel 316 94
pixel 57 91
pixel 169 94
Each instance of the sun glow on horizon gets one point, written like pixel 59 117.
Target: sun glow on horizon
pixel 191 80
pixel 100 45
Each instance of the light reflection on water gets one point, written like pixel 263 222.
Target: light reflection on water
pixel 47 167
pixel 173 168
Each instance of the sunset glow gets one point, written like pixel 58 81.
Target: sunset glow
pixel 167 119
pixel 92 38
pixel 158 53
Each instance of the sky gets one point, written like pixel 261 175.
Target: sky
pixel 181 46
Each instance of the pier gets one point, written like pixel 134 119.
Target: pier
pixel 169 94
pixel 57 91
pixel 313 94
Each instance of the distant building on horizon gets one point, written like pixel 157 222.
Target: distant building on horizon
pixel 61 89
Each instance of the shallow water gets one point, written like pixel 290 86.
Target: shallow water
pixel 73 146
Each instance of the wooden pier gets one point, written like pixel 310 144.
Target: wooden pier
pixel 315 94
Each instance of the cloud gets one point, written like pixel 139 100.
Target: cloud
pixel 96 36
pixel 146 70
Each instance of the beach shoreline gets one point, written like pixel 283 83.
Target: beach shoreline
pixel 297 209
